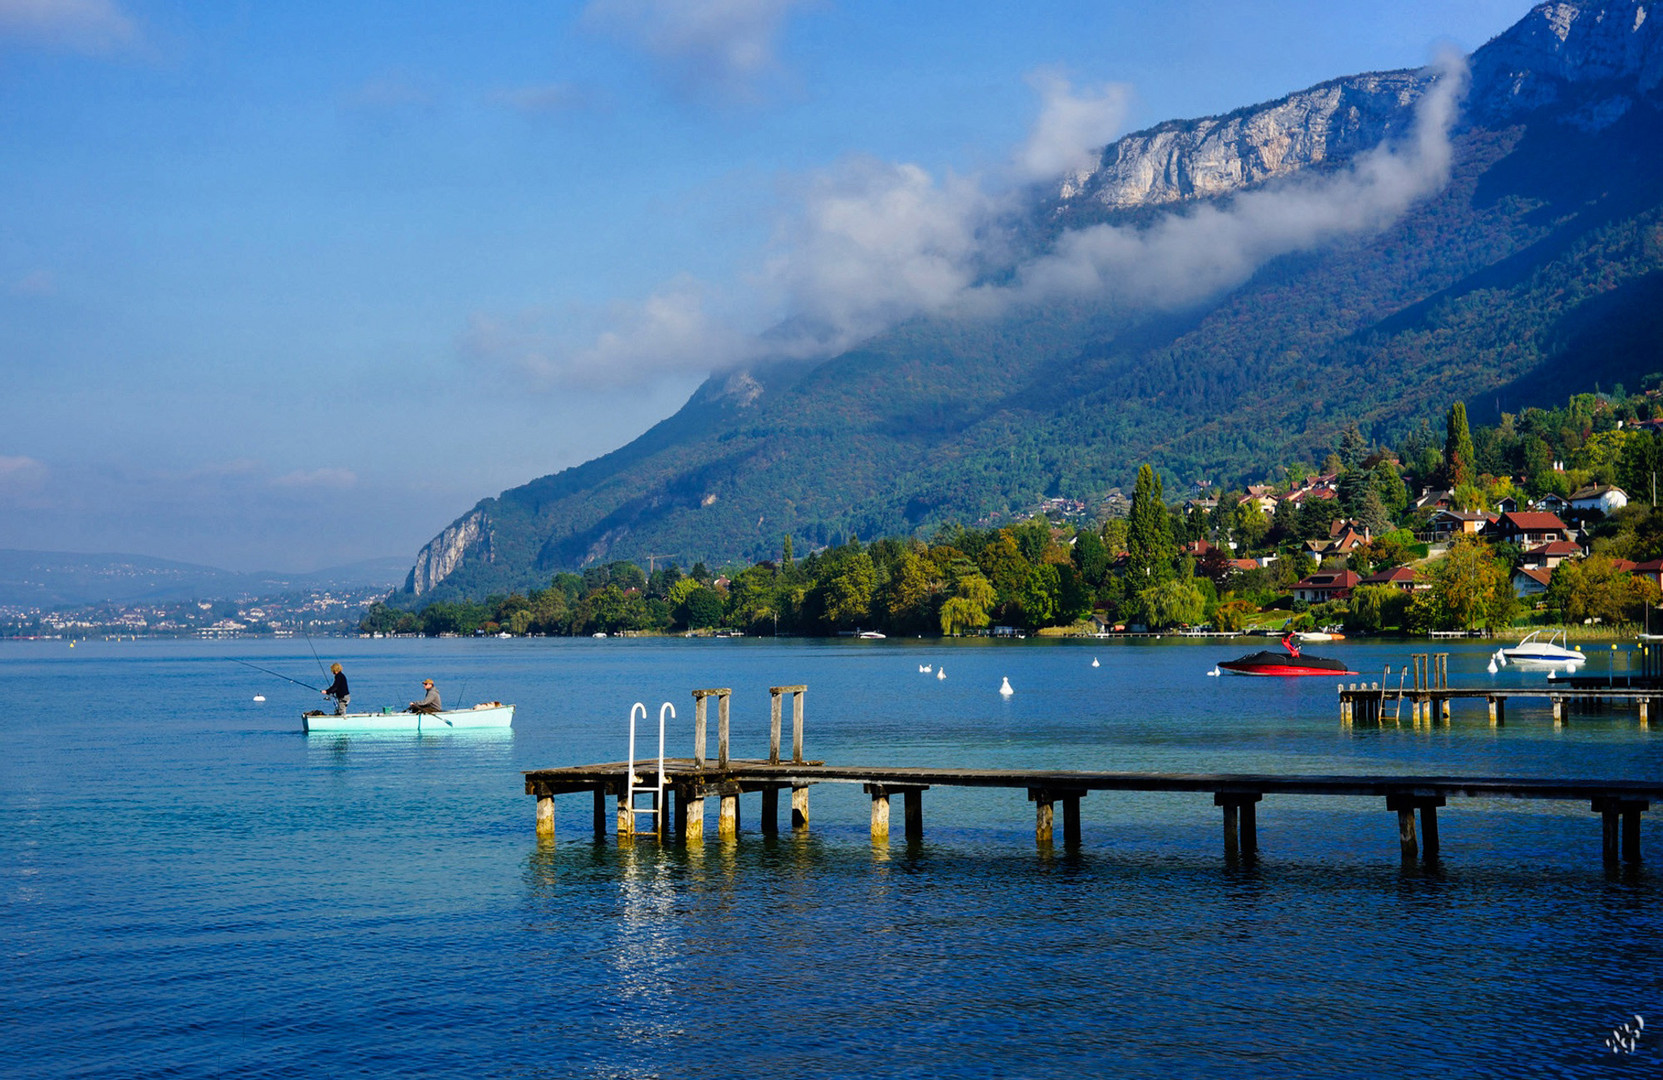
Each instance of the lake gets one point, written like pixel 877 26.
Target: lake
pixel 190 887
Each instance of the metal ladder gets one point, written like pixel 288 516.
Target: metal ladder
pixel 635 787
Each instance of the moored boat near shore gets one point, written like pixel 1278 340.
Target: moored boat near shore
pixel 1291 662
pixel 493 714
pixel 1532 652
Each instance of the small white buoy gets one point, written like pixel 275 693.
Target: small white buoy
pixel 1215 671
pixel 1005 688
pixel 941 673
pixel 1492 668
pixel 925 668
pixel 1094 662
pixel 259 697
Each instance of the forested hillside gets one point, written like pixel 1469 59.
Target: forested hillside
pixel 1535 270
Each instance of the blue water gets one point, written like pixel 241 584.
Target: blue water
pixel 190 887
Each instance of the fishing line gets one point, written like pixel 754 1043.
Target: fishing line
pixel 279 674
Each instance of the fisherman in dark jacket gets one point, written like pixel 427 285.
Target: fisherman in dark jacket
pixel 428 704
pixel 338 690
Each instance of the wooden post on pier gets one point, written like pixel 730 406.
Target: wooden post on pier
pixel 1241 821
pixel 721 694
pixel 1645 713
pixel 774 726
pixel 880 812
pixel 1498 709
pixel 690 816
pixel 914 814
pixel 545 817
pixel 1558 712
pixel 600 812
pixel 1044 815
pixel 727 818
pixel 699 732
pixel 1071 819
pixel 799 807
pixel 626 815
pixel 1621 821
pixel 1406 806
pixel 770 823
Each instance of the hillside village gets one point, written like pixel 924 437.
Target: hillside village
pixel 1537 519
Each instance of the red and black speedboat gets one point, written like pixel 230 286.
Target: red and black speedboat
pixel 1291 662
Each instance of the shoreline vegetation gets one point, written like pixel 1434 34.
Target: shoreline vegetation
pixel 1341 546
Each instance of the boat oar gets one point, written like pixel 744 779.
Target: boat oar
pixel 268 671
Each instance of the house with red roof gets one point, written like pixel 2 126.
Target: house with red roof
pixel 1326 585
pixel 1530 581
pixel 1528 529
pixel 1548 556
pixel 1398 577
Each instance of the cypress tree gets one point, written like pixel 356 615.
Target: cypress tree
pixel 1148 534
pixel 1458 451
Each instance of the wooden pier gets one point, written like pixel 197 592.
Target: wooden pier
pixel 1430 696
pixel 677 810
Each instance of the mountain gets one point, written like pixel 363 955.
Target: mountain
pixel 1282 270
pixel 48 579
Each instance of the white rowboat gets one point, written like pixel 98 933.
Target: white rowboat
pixel 493 714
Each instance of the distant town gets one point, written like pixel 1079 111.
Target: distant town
pixel 319 612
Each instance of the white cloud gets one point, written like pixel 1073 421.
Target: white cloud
pixel 866 244
pixel 542 98
pixel 1071 129
pixel 721 45
pixel 17 473
pixel 36 283
pixel 669 333
pixel 86 26
pixel 1188 255
pixel 327 478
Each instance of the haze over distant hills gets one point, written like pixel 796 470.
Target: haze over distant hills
pixel 48 579
pixel 1215 296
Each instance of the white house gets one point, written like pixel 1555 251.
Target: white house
pixel 1601 497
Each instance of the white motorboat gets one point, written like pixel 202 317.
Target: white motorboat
pixel 1534 652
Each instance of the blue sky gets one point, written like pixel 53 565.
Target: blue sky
pixel 290 285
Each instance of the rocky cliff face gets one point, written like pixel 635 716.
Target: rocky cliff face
pixel 1599 57
pixel 1198 159
pixel 468 538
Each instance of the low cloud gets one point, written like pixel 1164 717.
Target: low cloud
pixel 721 46
pixel 37 283
pixel 1072 128
pixel 20 474
pixel 326 478
pixel 669 333
pixel 1189 255
pixel 865 245
pixel 94 27
pixel 391 92
pixel 543 98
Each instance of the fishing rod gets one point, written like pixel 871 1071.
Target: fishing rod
pixel 314 649
pixel 279 674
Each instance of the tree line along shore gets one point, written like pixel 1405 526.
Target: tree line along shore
pixel 1546 517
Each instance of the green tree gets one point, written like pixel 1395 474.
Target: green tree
pixel 1471 587
pixel 969 606
pixel 1458 452
pixel 1148 535
pixel 1172 603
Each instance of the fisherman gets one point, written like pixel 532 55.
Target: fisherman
pixel 338 690
pixel 428 704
